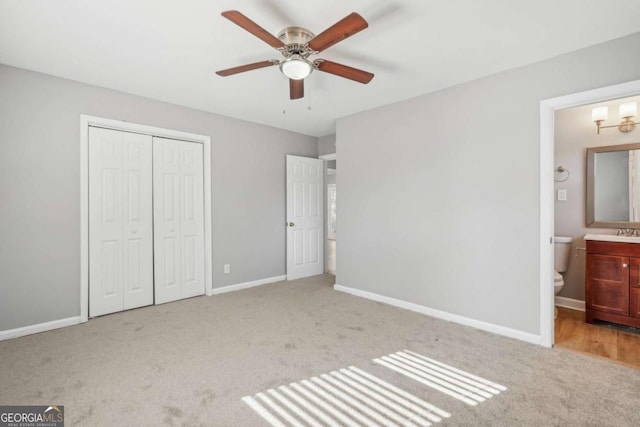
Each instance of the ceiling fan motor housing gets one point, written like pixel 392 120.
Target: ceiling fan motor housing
pixel 295 40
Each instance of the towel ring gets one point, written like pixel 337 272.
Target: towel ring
pixel 562 170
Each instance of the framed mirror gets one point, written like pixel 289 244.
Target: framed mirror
pixel 613 186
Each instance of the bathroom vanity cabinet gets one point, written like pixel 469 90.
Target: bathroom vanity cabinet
pixel 613 282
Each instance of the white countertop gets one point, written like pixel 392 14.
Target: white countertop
pixel 612 238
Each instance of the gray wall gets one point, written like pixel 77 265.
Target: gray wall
pixel 40 187
pixel 327 144
pixel 453 222
pixel 574 132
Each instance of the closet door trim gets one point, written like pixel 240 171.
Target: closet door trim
pixel 87 121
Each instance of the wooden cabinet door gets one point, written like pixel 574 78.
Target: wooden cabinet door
pixel 608 284
pixel 634 272
pixel 634 303
pixel 634 287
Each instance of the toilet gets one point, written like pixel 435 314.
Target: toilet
pixel 561 252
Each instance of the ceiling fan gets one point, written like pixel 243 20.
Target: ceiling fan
pixel 296 46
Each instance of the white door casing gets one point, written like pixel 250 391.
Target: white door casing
pixel 331 211
pixel 178 219
pixel 305 210
pixel 120 221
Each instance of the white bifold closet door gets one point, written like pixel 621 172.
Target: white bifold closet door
pixel 120 221
pixel 178 198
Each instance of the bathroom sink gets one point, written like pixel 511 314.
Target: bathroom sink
pixel 612 238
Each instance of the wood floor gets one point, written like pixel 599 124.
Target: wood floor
pixel 618 343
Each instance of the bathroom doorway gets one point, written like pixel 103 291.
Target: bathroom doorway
pixel 574 132
pixel 550 111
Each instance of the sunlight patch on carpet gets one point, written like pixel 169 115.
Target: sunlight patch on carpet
pixel 464 386
pixel 347 397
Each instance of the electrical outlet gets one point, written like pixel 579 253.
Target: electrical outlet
pixel 562 195
pixel 227 268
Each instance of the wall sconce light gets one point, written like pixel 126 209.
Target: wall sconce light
pixel 627 112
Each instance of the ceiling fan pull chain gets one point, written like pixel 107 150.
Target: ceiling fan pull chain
pixel 284 101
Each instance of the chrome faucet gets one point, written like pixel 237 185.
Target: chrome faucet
pixel 630 232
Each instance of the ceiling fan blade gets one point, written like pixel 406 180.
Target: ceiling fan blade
pixel 242 21
pixel 344 71
pixel 246 67
pixel 296 89
pixel 339 31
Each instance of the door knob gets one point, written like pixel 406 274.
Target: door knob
pixel 291 224
pixel 625 265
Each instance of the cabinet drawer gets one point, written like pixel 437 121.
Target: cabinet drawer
pixel 613 248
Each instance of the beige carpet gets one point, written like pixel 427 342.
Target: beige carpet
pixel 191 362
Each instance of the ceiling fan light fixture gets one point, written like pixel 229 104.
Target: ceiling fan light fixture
pixel 296 67
pixel 296 45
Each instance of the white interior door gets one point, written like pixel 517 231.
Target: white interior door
pixel 178 219
pixel 120 221
pixel 305 207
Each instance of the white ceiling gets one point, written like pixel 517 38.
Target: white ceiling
pixel 169 50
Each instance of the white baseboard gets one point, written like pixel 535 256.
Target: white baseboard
pixel 40 327
pixel 70 321
pixel 489 327
pixel 246 285
pixel 573 304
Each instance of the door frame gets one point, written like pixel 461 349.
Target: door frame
pixel 327 208
pixel 547 207
pixel 330 156
pixel 326 158
pixel 85 122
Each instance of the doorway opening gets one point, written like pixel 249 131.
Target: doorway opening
pixel 548 170
pixel 331 172
pixel 617 183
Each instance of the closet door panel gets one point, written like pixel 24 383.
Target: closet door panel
pixel 105 222
pixel 192 219
pixel 178 219
pixel 120 221
pixel 138 224
pixel 166 201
